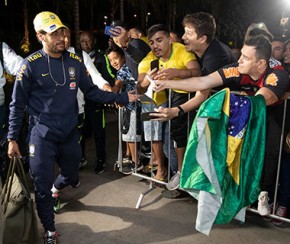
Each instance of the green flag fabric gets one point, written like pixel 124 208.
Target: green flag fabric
pixel 224 157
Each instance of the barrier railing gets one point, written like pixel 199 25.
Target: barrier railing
pixel 152 180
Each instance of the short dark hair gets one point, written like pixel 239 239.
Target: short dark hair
pixel 156 28
pixel 89 33
pixel 139 29
pixel 119 23
pixel 116 49
pixel 262 45
pixel 203 23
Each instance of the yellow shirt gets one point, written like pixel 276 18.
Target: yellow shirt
pixel 178 60
pixel 145 39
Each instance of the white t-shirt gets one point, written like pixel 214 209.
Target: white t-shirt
pixel 11 63
pixel 97 78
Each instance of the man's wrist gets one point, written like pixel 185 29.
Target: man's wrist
pixel 181 111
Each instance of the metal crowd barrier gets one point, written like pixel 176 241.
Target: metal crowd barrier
pixel 152 180
pixel 282 141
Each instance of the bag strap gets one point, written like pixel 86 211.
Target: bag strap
pixel 14 166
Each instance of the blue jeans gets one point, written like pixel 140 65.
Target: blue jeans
pixel 173 157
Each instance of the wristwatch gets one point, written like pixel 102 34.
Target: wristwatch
pixel 181 111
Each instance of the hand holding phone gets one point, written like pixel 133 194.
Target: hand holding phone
pixel 146 116
pixel 108 30
pixel 154 64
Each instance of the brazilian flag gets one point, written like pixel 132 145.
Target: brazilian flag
pixel 224 157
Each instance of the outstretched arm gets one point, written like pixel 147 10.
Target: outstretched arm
pixel 170 113
pixel 191 84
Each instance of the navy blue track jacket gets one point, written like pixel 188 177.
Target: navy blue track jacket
pixel 47 89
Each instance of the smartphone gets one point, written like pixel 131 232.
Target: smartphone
pixel 107 30
pixel 145 116
pixel 154 64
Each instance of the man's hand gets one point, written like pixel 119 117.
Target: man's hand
pixel 107 87
pixel 286 95
pixel 164 114
pixel 120 37
pixel 133 97
pixel 166 74
pixel 144 80
pixel 13 149
pixel 159 85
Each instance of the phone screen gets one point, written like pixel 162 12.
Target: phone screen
pixel 154 64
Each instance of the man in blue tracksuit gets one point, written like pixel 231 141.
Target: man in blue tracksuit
pixel 46 87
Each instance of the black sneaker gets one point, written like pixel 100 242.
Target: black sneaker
pixel 83 163
pixel 100 167
pixel 128 168
pixel 50 237
pixel 139 166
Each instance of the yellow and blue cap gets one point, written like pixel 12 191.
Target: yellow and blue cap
pixel 48 22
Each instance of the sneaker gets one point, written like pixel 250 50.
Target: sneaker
pixel 281 212
pixel 128 168
pixel 83 163
pixel 126 159
pixel 56 202
pixel 263 205
pixel 139 166
pixel 173 184
pixel 50 237
pixel 100 167
pixel 145 154
pixel 268 218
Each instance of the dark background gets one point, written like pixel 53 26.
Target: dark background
pixel 232 16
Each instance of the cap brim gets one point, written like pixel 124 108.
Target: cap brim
pixel 54 27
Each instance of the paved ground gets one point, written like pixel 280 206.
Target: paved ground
pixel 103 210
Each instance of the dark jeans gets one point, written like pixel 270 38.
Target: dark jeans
pixel 284 190
pixel 95 123
pixel 273 136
